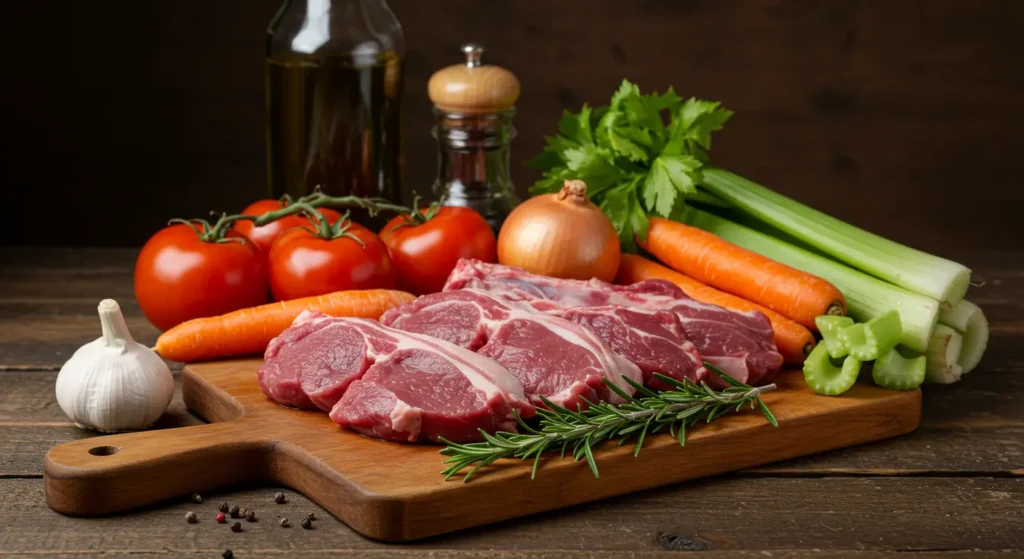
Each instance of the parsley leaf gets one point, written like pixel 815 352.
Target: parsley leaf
pixel 623 209
pixel 683 171
pixel 576 127
pixel 594 165
pixel 626 89
pixel 552 181
pixel 641 111
pixel 547 159
pixel 670 176
pixel 635 165
pixel 659 192
pixel 693 124
pixel 668 100
pixel 626 147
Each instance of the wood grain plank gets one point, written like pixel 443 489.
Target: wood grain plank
pixel 827 515
pixel 931 452
pixel 975 426
pixel 341 470
pixel 501 554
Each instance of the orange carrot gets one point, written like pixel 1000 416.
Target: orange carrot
pixel 716 262
pixel 248 331
pixel 793 341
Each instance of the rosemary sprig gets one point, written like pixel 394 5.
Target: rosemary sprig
pixel 579 431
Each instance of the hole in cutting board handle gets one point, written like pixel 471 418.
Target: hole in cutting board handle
pixel 103 450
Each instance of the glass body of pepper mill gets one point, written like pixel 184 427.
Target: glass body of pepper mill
pixel 334 97
pixel 474 106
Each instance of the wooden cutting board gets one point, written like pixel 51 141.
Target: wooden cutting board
pixel 394 492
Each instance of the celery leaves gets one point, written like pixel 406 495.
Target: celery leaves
pixel 640 156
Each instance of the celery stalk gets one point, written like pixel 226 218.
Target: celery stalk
pixel 896 372
pixel 855 340
pixel 829 326
pixel 969 320
pixel 914 270
pixel 958 315
pixel 883 332
pixel 943 354
pixel 866 297
pixel 827 379
pixel 873 338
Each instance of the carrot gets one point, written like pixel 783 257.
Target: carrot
pixel 793 341
pixel 249 330
pixel 709 259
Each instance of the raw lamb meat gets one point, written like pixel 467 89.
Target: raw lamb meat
pixel 391 384
pixel 741 344
pixel 653 340
pixel 551 356
pixel 280 376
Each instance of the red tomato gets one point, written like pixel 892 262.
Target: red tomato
pixel 303 264
pixel 178 276
pixel 424 255
pixel 264 236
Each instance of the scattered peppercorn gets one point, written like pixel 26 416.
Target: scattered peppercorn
pixel 191 517
pixel 227 554
pixel 221 518
pixel 279 497
pixel 311 516
pixel 285 523
pixel 234 511
pixel 223 508
pixel 244 512
pixel 307 523
pixel 250 515
pixel 196 498
pixel 236 526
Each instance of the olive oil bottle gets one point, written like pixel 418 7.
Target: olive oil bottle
pixel 334 95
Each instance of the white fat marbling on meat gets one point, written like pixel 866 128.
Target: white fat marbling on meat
pixel 616 366
pixel 407 419
pixel 485 375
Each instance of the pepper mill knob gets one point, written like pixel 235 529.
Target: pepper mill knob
pixel 472 88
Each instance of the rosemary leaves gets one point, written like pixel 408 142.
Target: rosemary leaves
pixel 562 429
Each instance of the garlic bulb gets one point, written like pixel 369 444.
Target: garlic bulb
pixel 113 383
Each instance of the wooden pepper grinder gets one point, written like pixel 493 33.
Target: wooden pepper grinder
pixel 473 104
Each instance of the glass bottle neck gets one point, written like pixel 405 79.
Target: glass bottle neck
pixel 359 28
pixel 473 163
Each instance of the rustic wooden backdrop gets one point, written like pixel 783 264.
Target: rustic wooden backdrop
pixel 904 116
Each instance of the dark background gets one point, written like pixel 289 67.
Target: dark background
pixel 902 116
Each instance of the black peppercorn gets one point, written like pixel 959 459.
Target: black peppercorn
pixel 191 517
pixel 196 498
pixel 279 497
pixel 307 523
pixel 285 523
pixel 311 516
pixel 227 554
pixel 234 512
pixel 250 515
pixel 223 508
pixel 236 526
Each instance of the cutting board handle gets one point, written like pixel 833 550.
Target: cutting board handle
pixel 103 475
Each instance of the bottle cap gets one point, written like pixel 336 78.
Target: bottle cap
pixel 473 88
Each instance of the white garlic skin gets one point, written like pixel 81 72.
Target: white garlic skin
pixel 113 383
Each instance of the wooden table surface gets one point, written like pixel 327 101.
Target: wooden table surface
pixel 954 487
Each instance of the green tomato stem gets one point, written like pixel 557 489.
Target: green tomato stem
pixel 308 205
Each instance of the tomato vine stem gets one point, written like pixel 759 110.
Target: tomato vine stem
pixel 217 232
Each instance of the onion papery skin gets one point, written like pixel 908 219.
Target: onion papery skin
pixel 561 235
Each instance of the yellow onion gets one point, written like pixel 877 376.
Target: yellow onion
pixel 563 235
